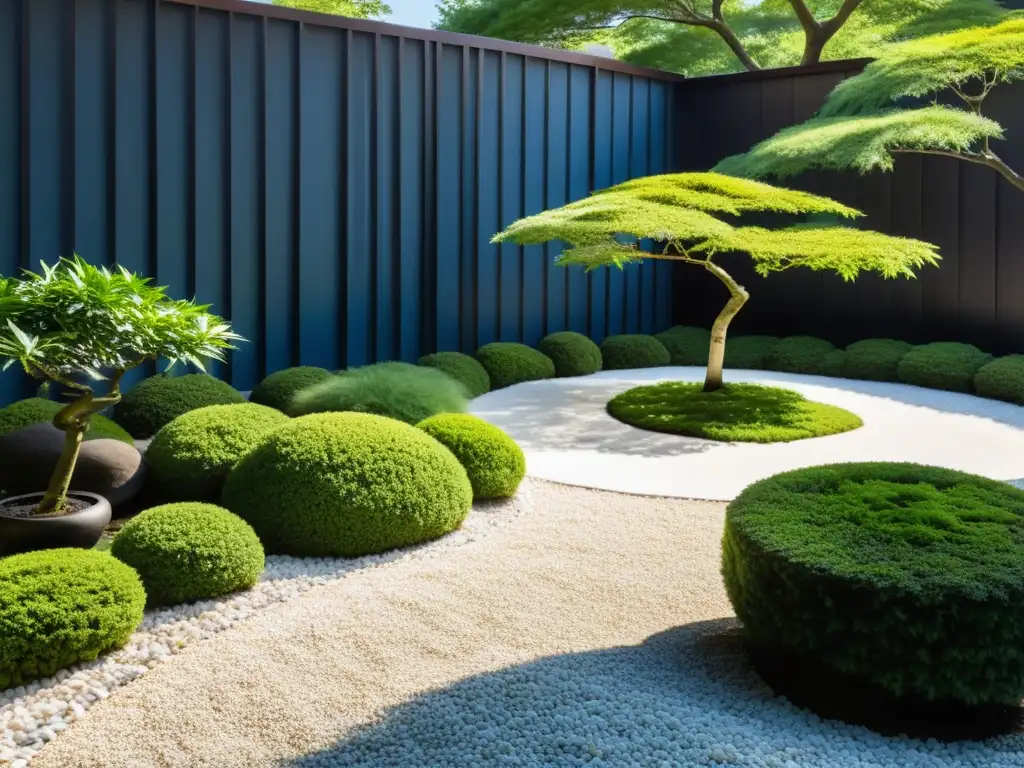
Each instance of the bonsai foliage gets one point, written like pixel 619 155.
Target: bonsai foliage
pixel 861 126
pixel 78 326
pixel 693 216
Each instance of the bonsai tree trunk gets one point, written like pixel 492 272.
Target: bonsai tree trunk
pixel 737 298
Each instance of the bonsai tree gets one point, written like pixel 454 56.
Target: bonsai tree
pixel 859 129
pixel 77 325
pixel 693 217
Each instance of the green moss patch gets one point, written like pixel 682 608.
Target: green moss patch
pixel 35 410
pixel 463 368
pixel 572 353
pixel 157 401
pixel 279 388
pixel 633 350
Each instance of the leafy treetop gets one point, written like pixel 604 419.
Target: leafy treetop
pixel 358 9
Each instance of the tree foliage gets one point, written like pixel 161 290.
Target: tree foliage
pixel 358 9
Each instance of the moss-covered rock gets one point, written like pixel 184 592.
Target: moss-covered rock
pixel 464 369
pixel 686 344
pixel 159 400
pixel 37 410
pixel 800 354
pixel 875 359
pixel 572 353
pixel 943 365
pixel 748 352
pixel 1002 379
pixel 508 363
pixel 633 350
pixel 493 461
pixel 279 388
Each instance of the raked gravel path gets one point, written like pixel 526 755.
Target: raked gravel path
pixel 592 631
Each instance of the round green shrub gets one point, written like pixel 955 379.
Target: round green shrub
pixel 188 551
pixel 1002 379
pixel 633 350
pixel 834 363
pixel 190 458
pixel 799 354
pixel 875 359
pixel 508 363
pixel 36 410
pixel 59 607
pixel 278 389
pixel 403 391
pixel 348 484
pixel 748 352
pixel 463 368
pixel 493 461
pixel 686 344
pixel 908 577
pixel 943 365
pixel 159 400
pixel 572 353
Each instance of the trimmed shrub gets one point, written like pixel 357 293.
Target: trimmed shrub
pixel 278 389
pixel 748 352
pixel 493 461
pixel 572 353
pixel 908 577
pixel 633 350
pixel 348 484
pixel 403 391
pixel 799 354
pixel 875 359
pixel 943 365
pixel 59 607
pixel 463 368
pixel 686 344
pixel 159 400
pixel 834 364
pixel 1002 379
pixel 185 552
pixel 509 363
pixel 36 410
pixel 190 458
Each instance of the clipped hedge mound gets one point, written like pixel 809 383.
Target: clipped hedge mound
pixel 190 458
pixel 403 391
pixel 278 389
pixel 159 400
pixel 748 352
pixel 188 551
pixel 464 369
pixel 1002 379
pixel 493 461
pixel 633 350
pixel 909 577
pixel 509 363
pixel 875 359
pixel 686 344
pixel 35 410
pixel 799 354
pixel 834 364
pixel 943 365
pixel 348 484
pixel 59 607
pixel 572 353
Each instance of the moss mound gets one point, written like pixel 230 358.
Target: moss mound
pixel 909 577
pixel 943 365
pixel 278 389
pixel 348 484
pixel 59 607
pixel 35 410
pixel 508 363
pixel 1002 379
pixel 464 369
pixel 190 458
pixel 686 344
pixel 749 352
pixel 185 552
pixel 744 413
pixel 159 400
pixel 875 359
pixel 834 364
pixel 572 353
pixel 493 461
pixel 799 354
pixel 633 350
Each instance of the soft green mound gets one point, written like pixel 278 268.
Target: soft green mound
pixel 494 462
pixel 943 365
pixel 686 345
pixel 799 354
pixel 403 391
pixel 508 363
pixel 572 353
pixel 159 400
pixel 278 389
pixel 189 551
pixel 633 350
pixel 35 410
pixel 62 606
pixel 463 368
pixel 834 364
pixel 348 484
pixel 875 359
pixel 1002 379
pixel 910 577
pixel 742 413
pixel 189 458
pixel 749 352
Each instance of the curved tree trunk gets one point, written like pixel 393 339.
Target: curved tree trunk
pixel 716 356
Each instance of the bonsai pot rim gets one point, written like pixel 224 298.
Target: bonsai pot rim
pixel 81 529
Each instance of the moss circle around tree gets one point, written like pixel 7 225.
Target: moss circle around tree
pixel 159 400
pixel 572 353
pixel 493 461
pixel 280 387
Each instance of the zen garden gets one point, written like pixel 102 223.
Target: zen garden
pixel 695 547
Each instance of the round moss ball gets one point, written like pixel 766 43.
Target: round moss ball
pixel 875 359
pixel 348 484
pixel 1002 379
pixel 464 369
pixel 159 400
pixel 834 363
pixel 190 458
pixel 800 354
pixel 36 410
pixel 494 462
pixel 910 578
pixel 279 388
pixel 508 363
pixel 188 551
pixel 633 350
pixel 686 344
pixel 59 607
pixel 748 352
pixel 572 353
pixel 943 365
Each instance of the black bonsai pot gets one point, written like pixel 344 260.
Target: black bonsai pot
pixel 79 528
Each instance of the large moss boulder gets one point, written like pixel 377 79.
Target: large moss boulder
pixel 686 344
pixel 748 352
pixel 158 400
pixel 493 461
pixel 802 354
pixel 463 368
pixel 943 365
pixel 1002 379
pixel 633 350
pixel 875 359
pixel 508 363
pixel 279 388
pixel 572 353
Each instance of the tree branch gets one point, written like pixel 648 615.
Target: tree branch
pixel 988 159
pixel 725 32
pixel 817 34
pixel 804 16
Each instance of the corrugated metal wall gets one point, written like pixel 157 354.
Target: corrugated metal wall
pixel 330 185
